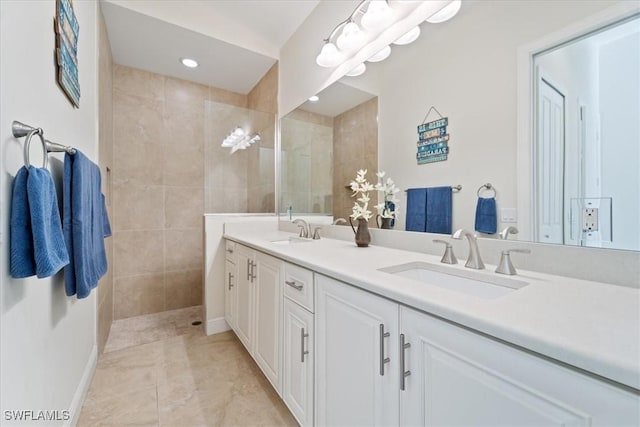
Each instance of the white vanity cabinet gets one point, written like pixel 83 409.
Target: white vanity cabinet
pixel 461 378
pixel 298 343
pixel 257 321
pixel 356 356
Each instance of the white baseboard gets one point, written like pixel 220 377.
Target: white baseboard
pixel 81 392
pixel 215 326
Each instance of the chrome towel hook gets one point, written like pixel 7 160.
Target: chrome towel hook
pixel 488 186
pixel 27 143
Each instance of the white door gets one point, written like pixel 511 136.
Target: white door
pixel 268 294
pixel 550 164
pixel 230 275
pixel 461 378
pixel 244 294
pixel 356 361
pixel 297 375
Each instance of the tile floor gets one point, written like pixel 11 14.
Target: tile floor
pixel 158 370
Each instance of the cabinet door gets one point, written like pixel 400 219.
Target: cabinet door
pixel 268 289
pixel 231 278
pixel 461 378
pixel 297 375
pixel 354 386
pixel 244 293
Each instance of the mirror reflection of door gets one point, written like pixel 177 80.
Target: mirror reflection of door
pixel 587 148
pixel 550 167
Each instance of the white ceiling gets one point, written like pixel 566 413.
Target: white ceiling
pixel 336 99
pixel 236 42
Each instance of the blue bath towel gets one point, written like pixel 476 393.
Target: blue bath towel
pixel 438 211
pixel 486 215
pixel 37 243
pixel 22 261
pixel 416 209
pixel 85 225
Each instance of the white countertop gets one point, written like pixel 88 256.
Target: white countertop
pixel 589 325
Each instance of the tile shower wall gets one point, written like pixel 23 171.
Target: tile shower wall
pixel 307 162
pixel 105 130
pixel 355 146
pixel 158 190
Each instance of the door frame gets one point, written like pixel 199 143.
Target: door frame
pixel 526 95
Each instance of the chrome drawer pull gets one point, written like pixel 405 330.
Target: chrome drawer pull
pixel 293 285
pixel 230 284
pixel 403 374
pixel 383 359
pixel 302 350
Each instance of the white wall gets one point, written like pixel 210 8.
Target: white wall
pixel 466 68
pixel 620 135
pixel 48 341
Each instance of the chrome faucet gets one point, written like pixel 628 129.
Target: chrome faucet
pixel 506 266
pixel 304 227
pixel 508 230
pixel 474 260
pixel 339 221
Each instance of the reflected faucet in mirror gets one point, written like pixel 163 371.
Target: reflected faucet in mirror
pixel 504 234
pixel 339 221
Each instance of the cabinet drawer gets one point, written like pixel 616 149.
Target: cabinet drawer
pixel 230 251
pixel 298 285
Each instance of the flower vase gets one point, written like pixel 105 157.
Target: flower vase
pixel 363 237
pixel 383 223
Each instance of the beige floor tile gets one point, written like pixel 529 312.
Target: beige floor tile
pixel 184 379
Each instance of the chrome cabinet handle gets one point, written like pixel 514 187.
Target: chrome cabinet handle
pixel 292 283
pixel 230 277
pixel 302 350
pixel 230 250
pixel 403 374
pixel 253 271
pixel 383 359
pixel 248 271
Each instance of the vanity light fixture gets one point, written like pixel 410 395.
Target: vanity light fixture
pixel 357 71
pixel 446 13
pixel 409 37
pixel 314 98
pixel 366 23
pixel 189 63
pixel 238 139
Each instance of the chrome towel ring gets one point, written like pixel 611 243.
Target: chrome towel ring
pixel 487 187
pixel 27 143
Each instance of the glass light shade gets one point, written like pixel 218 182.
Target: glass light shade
pixel 381 55
pixel 352 37
pixel 377 16
pixel 358 70
pixel 329 56
pixel 446 13
pixel 409 37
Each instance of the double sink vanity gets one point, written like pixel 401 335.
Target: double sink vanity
pixel 381 336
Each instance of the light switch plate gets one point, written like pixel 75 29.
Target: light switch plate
pixel 508 215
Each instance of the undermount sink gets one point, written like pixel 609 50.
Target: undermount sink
pixel 466 282
pixel 290 240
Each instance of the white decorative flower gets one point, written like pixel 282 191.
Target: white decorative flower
pixel 362 187
pixel 389 191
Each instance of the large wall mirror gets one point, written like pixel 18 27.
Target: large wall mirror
pixel 467 68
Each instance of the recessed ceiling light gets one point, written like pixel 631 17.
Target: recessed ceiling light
pixel 314 98
pixel 188 62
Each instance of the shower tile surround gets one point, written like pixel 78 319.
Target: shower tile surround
pixel 158 183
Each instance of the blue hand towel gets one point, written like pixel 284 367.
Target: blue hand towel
pixel 416 209
pixel 85 225
pixel 438 212
pixel 37 243
pixel 49 247
pixel 22 261
pixel 486 215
